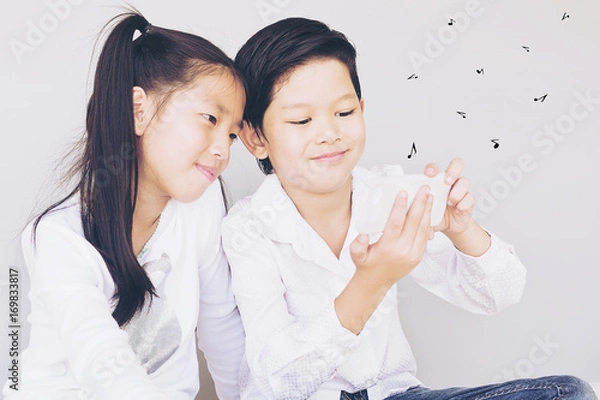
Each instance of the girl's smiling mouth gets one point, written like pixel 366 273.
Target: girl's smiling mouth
pixel 209 172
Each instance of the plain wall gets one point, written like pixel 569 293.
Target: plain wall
pixel 537 190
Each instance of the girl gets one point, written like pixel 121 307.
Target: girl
pixel 318 301
pixel 128 267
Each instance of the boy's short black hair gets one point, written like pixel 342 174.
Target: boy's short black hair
pixel 270 54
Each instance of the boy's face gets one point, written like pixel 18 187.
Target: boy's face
pixel 315 128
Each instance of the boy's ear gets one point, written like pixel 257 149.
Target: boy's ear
pixel 140 110
pixel 253 142
pixel 362 105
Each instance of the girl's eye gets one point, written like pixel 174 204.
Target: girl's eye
pixel 301 122
pixel 211 118
pixel 233 137
pixel 345 114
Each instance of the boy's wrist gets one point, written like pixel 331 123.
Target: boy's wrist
pixel 473 241
pixel 357 302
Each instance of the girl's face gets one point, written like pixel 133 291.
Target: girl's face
pixel 185 146
pixel 314 127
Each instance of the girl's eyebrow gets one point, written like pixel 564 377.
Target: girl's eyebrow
pixel 225 111
pixel 349 95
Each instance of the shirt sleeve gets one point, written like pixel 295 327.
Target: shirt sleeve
pixel 288 357
pixel 482 285
pixel 66 285
pixel 220 331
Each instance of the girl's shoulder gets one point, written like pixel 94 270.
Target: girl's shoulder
pixel 65 217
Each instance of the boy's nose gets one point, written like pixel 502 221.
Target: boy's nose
pixel 328 131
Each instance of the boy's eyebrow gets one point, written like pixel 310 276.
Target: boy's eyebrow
pixel 349 95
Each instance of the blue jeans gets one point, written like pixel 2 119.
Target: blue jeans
pixel 546 388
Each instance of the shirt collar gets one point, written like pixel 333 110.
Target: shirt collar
pixel 279 220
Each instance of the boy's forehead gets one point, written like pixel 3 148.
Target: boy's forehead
pixel 315 75
pixel 295 105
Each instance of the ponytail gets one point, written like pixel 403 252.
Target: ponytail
pixel 160 60
pixel 109 187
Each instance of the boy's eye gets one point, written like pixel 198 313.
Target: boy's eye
pixel 300 122
pixel 233 137
pixel 346 113
pixel 211 118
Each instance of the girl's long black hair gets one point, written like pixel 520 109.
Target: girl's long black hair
pixel 158 60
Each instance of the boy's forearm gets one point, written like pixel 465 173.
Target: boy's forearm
pixel 358 301
pixel 474 241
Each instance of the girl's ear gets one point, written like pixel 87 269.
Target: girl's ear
pixel 362 105
pixel 141 105
pixel 253 142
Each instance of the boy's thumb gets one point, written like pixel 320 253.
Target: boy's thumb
pixel 359 247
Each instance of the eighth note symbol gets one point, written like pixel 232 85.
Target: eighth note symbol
pixel 462 114
pixel 414 148
pixel 480 71
pixel 413 76
pixel 540 99
pixel 526 48
pixel 452 22
pixel 565 16
pixel 496 144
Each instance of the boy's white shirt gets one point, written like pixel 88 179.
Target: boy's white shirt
pixel 77 350
pixel 285 280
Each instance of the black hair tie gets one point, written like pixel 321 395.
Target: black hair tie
pixel 147 30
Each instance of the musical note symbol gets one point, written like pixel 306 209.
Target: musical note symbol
pixel 480 71
pixel 452 22
pixel 565 16
pixel 496 144
pixel 540 99
pixel 413 76
pixel 462 114
pixel 414 148
pixel 526 48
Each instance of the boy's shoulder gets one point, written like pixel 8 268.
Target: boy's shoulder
pixel 269 193
pixel 268 211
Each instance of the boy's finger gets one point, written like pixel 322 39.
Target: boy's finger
pixel 422 233
pixel 415 213
pixel 459 190
pixel 431 170
pixel 395 222
pixel 454 170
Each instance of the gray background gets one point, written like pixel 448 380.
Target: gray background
pixel 546 206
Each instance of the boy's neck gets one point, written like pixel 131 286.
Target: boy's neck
pixel 327 213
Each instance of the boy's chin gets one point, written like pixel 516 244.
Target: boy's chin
pixel 329 183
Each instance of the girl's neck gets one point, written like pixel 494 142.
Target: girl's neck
pixel 327 213
pixel 145 218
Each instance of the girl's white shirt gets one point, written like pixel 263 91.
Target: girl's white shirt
pixel 76 349
pixel 285 280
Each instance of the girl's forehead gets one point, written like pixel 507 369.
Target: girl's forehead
pixel 210 86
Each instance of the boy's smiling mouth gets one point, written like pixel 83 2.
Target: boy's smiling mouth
pixel 330 157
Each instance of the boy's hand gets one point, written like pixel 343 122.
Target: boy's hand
pixel 401 246
pixel 458 223
pixel 461 202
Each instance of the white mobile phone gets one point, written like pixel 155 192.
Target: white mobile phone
pixel 379 199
